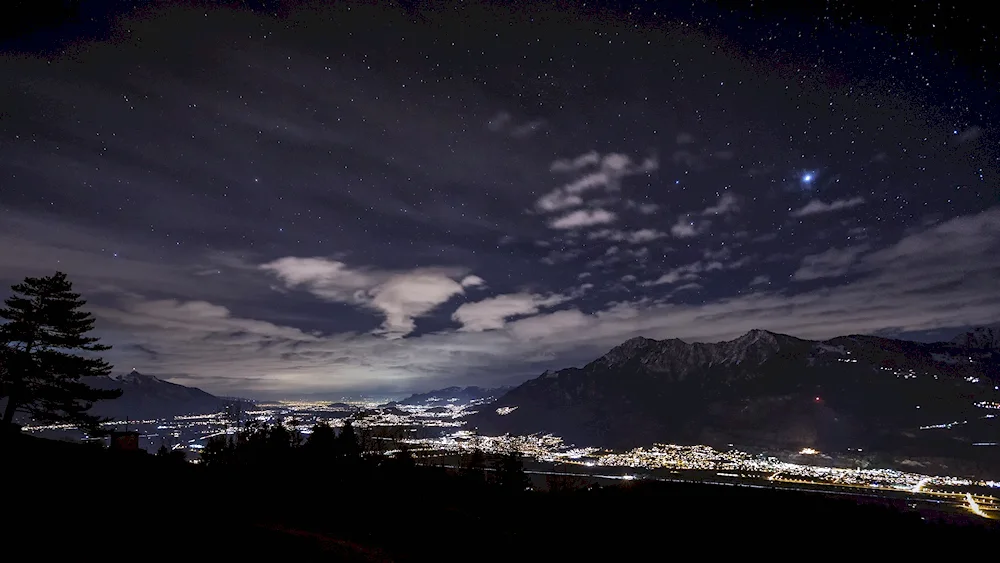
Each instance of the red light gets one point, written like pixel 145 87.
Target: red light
pixel 818 399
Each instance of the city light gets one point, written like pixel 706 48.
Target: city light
pixel 438 430
pixel 974 506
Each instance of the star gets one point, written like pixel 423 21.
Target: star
pixel 473 209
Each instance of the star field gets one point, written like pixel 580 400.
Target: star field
pixel 291 201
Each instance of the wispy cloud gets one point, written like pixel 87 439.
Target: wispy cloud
pixel 831 263
pixel 817 206
pixel 557 200
pixel 592 158
pixel 728 203
pixel 605 173
pixel 695 270
pixel 688 272
pixel 583 218
pixel 499 122
pixel 527 129
pixel 967 135
pixel 503 122
pixel 494 312
pixel 688 227
pixel 634 237
pixel 473 281
pixel 690 286
pixel 400 296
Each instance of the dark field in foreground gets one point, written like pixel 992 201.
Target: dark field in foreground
pixel 95 504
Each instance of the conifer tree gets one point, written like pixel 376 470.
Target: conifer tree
pixel 510 473
pixel 474 467
pixel 347 443
pixel 45 350
pixel 403 458
pixel 218 451
pixel 321 441
pixel 279 439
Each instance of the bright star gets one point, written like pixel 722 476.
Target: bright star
pixel 808 177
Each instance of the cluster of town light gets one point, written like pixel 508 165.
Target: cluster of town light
pixel 191 432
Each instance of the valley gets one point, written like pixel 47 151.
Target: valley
pixel 857 415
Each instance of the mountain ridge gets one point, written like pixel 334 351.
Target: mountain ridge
pixel 762 389
pixel 983 338
pixel 147 396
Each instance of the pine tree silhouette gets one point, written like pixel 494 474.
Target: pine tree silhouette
pixel 321 444
pixel 403 458
pixel 45 351
pixel 219 451
pixel 510 473
pixel 171 454
pixel 474 468
pixel 347 443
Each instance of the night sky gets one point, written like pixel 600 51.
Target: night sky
pixel 277 201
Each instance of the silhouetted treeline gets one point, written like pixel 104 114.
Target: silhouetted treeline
pixel 323 498
pixel 342 457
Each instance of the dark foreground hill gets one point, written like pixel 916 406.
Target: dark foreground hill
pixel 771 391
pixel 74 500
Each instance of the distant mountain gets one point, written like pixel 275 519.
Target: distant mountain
pixel 460 395
pixel 231 399
pixel 768 390
pixel 346 407
pixel 147 397
pixel 982 338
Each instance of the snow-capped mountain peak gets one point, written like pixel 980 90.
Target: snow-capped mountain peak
pixel 135 377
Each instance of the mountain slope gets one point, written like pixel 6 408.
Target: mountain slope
pixel 982 338
pixel 147 397
pixel 762 389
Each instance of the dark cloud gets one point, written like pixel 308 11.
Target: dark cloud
pixel 279 204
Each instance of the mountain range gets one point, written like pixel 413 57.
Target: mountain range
pixel 982 338
pixel 770 390
pixel 147 397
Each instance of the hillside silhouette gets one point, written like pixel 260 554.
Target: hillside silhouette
pixel 336 497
